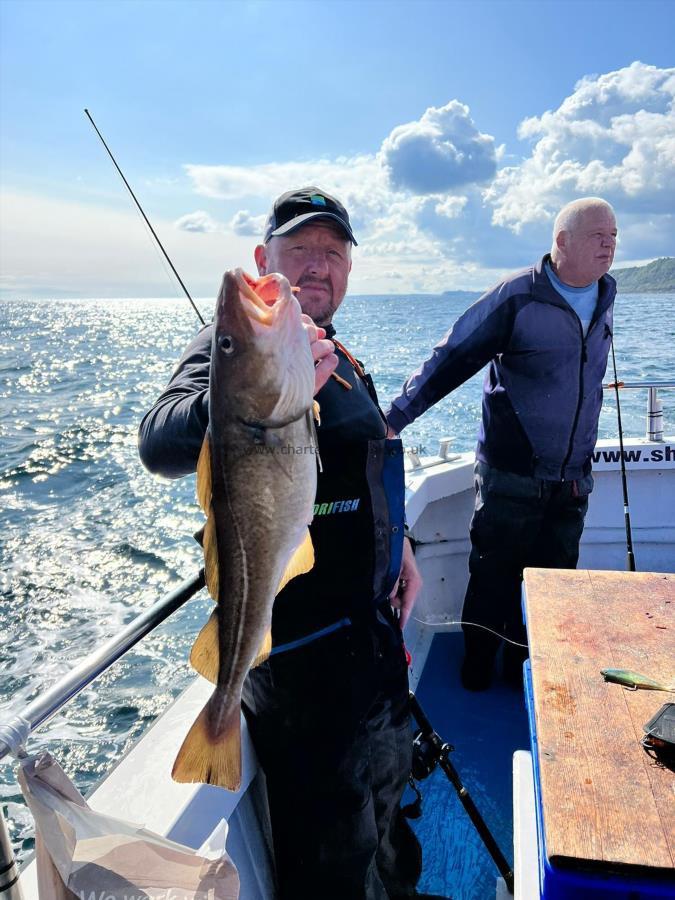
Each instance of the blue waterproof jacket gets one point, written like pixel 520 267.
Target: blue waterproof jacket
pixel 543 388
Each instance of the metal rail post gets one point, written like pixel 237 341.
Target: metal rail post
pixel 9 871
pixel 654 415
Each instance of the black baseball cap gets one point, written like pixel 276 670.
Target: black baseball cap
pixel 296 208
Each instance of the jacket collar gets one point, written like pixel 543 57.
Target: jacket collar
pixel 544 290
pixel 542 287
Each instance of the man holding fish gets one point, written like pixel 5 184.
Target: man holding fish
pixel 326 699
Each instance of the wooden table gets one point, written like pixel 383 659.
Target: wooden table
pixel 606 804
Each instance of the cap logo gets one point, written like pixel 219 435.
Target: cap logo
pixel 317 200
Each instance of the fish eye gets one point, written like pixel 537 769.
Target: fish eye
pixel 226 344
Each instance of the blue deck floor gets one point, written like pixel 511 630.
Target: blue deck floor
pixel 485 728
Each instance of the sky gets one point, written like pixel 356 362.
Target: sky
pixel 453 132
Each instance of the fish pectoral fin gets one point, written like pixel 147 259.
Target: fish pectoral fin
pixel 205 653
pixel 207 534
pixel 265 649
pixel 285 467
pixel 210 545
pixel 301 562
pixel 208 758
pixel 199 535
pixel 204 475
pixel 205 656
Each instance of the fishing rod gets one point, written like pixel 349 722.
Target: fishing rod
pixel 630 556
pixel 430 750
pixel 345 384
pixel 147 221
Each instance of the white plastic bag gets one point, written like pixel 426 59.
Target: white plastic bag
pixel 85 855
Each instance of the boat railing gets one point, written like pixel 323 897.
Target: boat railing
pixel 653 432
pixel 15 732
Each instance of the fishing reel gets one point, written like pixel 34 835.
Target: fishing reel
pixel 428 751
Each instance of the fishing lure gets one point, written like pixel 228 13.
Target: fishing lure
pixel 634 681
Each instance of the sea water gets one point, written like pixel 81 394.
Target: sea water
pixel 89 539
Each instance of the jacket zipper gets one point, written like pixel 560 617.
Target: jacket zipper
pixel 582 359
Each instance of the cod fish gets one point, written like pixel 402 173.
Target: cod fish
pixel 634 681
pixel 256 482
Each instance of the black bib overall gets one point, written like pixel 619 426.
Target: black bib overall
pixel 328 712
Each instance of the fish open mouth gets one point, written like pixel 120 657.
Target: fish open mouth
pixel 263 298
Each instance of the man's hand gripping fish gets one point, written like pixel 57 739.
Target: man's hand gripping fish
pixel 256 482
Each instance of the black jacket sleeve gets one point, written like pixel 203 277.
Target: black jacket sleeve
pixel 477 336
pixel 171 434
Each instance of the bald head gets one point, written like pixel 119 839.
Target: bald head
pixel 584 239
pixel 570 216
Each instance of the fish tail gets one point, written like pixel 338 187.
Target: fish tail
pixel 211 758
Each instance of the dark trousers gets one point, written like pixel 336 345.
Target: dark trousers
pixel 518 521
pixel 331 727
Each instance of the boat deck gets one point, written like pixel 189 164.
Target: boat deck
pixel 485 728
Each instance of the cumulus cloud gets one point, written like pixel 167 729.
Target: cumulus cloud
pixel 268 180
pixel 245 224
pixel 644 237
pixel 359 181
pixel 463 231
pixel 440 196
pixel 451 207
pixel 198 221
pixel 440 152
pixel 437 206
pixel 614 136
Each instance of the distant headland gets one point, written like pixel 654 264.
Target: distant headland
pixel 656 277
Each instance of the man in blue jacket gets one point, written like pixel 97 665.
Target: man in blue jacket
pixel 546 333
pixel 328 712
